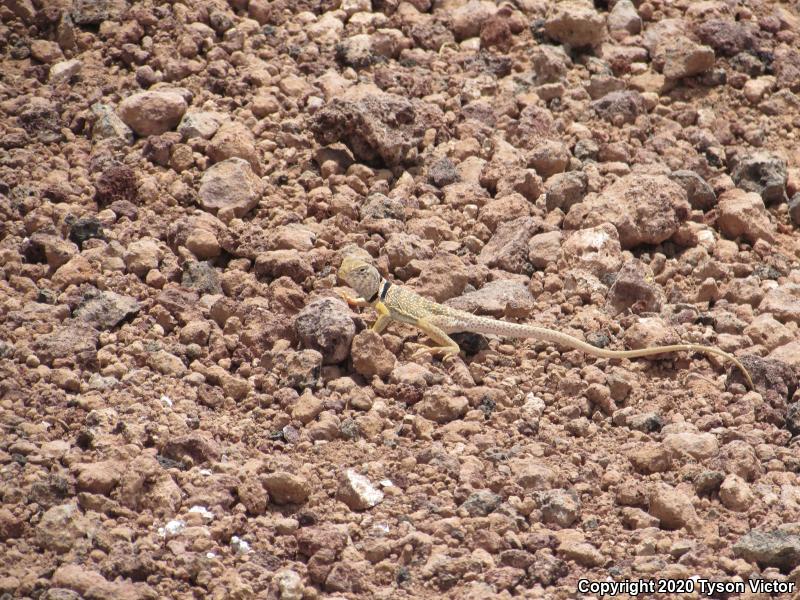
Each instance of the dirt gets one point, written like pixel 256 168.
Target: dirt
pixel 189 410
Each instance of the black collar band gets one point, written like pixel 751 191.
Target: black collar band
pixel 382 291
pixel 385 290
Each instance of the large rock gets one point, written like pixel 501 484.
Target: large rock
pixel 61 527
pixel 680 57
pixel 508 247
pixel 499 298
pixel 782 302
pixel 152 113
pixel 73 343
pixel 744 214
pixel 325 325
pixel 230 188
pixel 575 23
pixel 106 310
pixel 778 549
pixel 380 129
pixel 645 209
pixel 595 250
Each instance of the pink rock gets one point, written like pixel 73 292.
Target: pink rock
pixel 744 214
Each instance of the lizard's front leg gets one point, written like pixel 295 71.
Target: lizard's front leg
pixel 384 317
pixel 447 346
pixel 353 302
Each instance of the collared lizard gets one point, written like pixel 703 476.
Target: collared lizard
pixel 397 303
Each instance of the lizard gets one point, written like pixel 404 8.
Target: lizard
pixel 394 302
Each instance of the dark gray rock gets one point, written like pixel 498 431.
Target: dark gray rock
pixel 481 503
pixel 105 310
pixel 762 173
pixel 202 277
pixel 776 548
pixel 699 193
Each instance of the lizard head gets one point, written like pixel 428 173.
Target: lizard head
pixel 361 276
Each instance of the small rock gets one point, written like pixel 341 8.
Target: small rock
pixel 794 209
pixel 788 353
pixel 198 446
pixel 777 549
pixel 152 113
pixel 285 488
pixel 680 57
pixel 442 407
pixel 632 290
pixel 744 214
pixel 595 250
pixel 200 124
pixel 443 172
pixel 357 492
pixel 234 140
pixel 735 494
pixel 766 331
pixel 98 478
pixel 726 36
pixel 105 310
pixel 283 263
pixel 290 585
pixel 672 507
pixel 86 228
pixel 201 277
pixel 582 553
pixel 651 458
pixel 562 190
pixel 560 507
pixel 699 193
pixel 620 107
pixel 576 24
pixel 41 247
pixel 370 356
pixel 544 248
pixel 441 277
pixel 64 71
pixel 229 188
pixel 108 125
pixel 699 446
pixel 782 302
pixel 74 343
pixel 94 12
pixel 481 503
pixel 203 244
pixel 307 407
pixel 142 256
pixel 762 173
pixel 623 17
pixel 11 527
pixel 380 129
pixel 507 249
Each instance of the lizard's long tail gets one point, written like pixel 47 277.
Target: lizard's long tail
pixel 517 330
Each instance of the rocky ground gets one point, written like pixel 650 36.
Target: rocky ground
pixel 189 410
